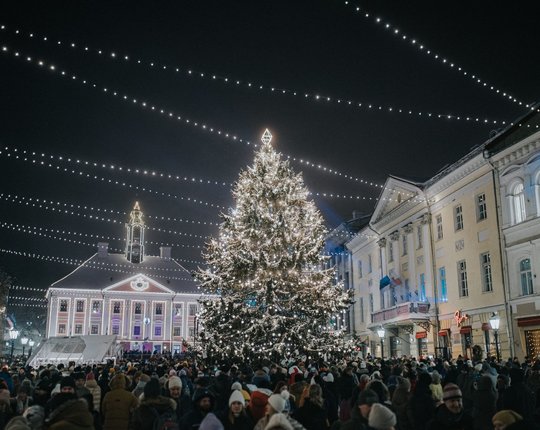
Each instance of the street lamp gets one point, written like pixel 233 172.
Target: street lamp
pixel 381 332
pixel 24 342
pixel 494 322
pixel 31 343
pixel 13 335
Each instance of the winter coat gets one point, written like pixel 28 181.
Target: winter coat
pixel 400 400
pixel 117 405
pixel 312 416
pixel 71 415
pixel 445 420
pixel 242 422
pixel 94 389
pixel 420 408
pixel 484 403
pixel 144 416
pixel 263 422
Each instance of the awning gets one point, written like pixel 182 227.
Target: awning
pixel 444 332
pixel 524 322
pixel 486 326
pixel 421 334
pixel 465 329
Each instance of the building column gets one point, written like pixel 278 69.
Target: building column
pixel 413 282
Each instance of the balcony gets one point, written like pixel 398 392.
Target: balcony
pixel 403 311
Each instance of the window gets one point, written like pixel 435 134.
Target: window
pixel 485 262
pixel 370 264
pixel 115 329
pixel 177 331
pixel 442 281
pixel 422 296
pixel 96 307
pixel 462 279
pixel 518 204
pixel 137 330
pixel 391 251
pixel 116 309
pixel 382 300
pixel 419 232
pixel 371 302
pixel 80 305
pixel 192 309
pixel 404 242
pixel 159 308
pixel 370 282
pixel 94 329
pixel 61 329
pixel 63 305
pixel 458 217
pixel 438 221
pixel 361 309
pixel 138 308
pixel 481 208
pixel 157 330
pixel 525 275
pixel 178 310
pixel 78 328
pixel 360 271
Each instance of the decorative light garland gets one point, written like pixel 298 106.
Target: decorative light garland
pixel 33 299
pixel 310 96
pixel 394 30
pixel 33 305
pixel 20 287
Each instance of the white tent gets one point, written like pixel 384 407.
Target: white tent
pixel 80 349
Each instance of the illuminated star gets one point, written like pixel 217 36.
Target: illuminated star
pixel 266 137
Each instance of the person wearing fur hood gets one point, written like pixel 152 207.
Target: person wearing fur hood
pixel 118 404
pixel 151 403
pixel 69 413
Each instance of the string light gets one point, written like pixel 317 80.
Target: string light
pixel 21 288
pixel 440 59
pixel 273 90
pixel 33 305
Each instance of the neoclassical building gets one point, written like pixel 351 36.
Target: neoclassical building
pixel 148 302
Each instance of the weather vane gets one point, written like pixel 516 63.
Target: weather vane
pixel 266 137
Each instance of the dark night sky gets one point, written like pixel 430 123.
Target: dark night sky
pixel 302 45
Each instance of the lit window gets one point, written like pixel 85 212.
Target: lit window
pixel 157 330
pixel 422 296
pixel 481 207
pixel 462 279
pixel 438 220
pixel 518 204
pixel 115 329
pixel 487 282
pixel 63 305
pixel 137 330
pixel 442 280
pixel 525 275
pixel 458 217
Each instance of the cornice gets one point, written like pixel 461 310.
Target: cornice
pixel 456 175
pixel 516 154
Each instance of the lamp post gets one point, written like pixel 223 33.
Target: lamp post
pixel 24 342
pixel 494 322
pixel 13 335
pixel 381 332
pixel 31 344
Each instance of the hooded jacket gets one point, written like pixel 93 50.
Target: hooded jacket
pixel 73 414
pixel 117 405
pixel 144 416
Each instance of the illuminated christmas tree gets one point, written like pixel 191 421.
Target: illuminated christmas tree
pixel 268 292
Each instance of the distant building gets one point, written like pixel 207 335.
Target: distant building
pixel 148 302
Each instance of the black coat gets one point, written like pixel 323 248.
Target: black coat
pixel 445 420
pixel 144 416
pixel 312 416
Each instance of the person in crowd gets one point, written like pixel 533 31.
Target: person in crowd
pixel 94 389
pixel 330 397
pixel 421 407
pixel 275 405
pixel 505 419
pixel 312 414
pixel 400 399
pixel 257 404
pixel 69 412
pixel 235 416
pixel 436 387
pixel 152 406
pixel 173 389
pixel 451 415
pixel 382 392
pixel 203 403
pixel 519 397
pixel 143 379
pixel 80 380
pixel 35 415
pixel 22 400
pixel 381 418
pixel 346 384
pixel 118 404
pixel 484 403
pixel 211 422
pixel 360 412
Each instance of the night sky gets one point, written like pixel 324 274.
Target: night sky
pixel 312 47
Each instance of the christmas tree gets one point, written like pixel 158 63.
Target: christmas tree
pixel 267 290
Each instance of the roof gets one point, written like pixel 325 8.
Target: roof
pixel 99 272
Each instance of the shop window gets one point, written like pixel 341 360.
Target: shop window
pixel 532 342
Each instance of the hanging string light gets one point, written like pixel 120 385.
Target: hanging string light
pixel 235 82
pixel 440 59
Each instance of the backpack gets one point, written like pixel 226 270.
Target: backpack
pixel 165 421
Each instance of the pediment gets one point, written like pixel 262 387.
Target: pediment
pixel 139 284
pixel 396 197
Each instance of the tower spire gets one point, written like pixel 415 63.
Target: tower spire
pixel 135 235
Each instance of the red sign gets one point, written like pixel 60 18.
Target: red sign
pixel 460 317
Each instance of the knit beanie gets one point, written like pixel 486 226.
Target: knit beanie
pixel 236 386
pixel 236 396
pixel 152 389
pixel 67 381
pixel 277 401
pixel 381 418
pixel 175 382
pixel 506 417
pixel 90 376
pixel 211 422
pixel 278 422
pixel 451 391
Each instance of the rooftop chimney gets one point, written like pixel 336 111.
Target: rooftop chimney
pixel 165 252
pixel 102 249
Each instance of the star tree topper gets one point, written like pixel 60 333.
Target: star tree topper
pixel 266 137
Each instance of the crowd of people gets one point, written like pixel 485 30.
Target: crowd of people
pixel 173 393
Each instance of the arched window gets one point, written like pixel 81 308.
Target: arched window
pixel 518 203
pixel 525 275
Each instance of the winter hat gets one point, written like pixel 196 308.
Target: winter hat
pixel 236 386
pixel 183 372
pixel 4 395
pixel 328 377
pixel 144 378
pixel 478 367
pixel 381 418
pixel 175 382
pixel 17 423
pixel 35 415
pixel 367 397
pixel 201 393
pixel 362 365
pixel 210 422
pixel 278 422
pixel 505 417
pixel 451 391
pixel 277 401
pixel 152 389
pixel 67 381
pixel 90 376
pixel 172 372
pixel 236 396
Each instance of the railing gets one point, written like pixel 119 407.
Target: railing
pixel 404 310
